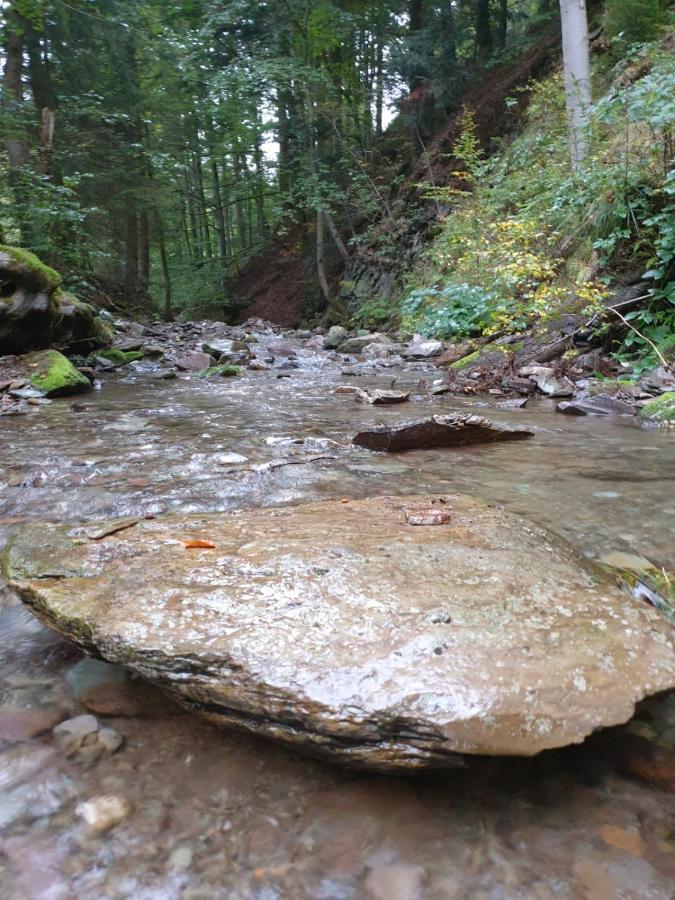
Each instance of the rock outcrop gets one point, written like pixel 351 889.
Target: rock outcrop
pixel 344 630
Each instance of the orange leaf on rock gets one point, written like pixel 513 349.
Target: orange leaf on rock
pixel 198 544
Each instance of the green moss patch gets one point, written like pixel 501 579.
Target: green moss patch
pixel 660 412
pixel 119 357
pixel 222 371
pixel 29 264
pixel 54 375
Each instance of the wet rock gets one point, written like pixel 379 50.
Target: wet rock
pixel 230 459
pixel 659 413
pixel 423 350
pixel 152 351
pixel 228 351
pixel 18 724
pixel 181 859
pixel 454 353
pixel 555 386
pixel 336 335
pixel 381 351
pixel 381 398
pixel 84 738
pixel 311 625
pixel 513 404
pixel 26 393
pixel 599 405
pixel 357 344
pixel 103 813
pixel 128 700
pixel 316 342
pixel 437 431
pixel 658 381
pixel 519 384
pixel 195 361
pixel 165 374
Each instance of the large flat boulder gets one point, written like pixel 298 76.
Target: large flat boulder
pixel 457 430
pixel 356 630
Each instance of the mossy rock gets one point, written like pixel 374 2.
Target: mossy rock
pixel 53 374
pixel 79 329
pixel 118 357
pixel 659 412
pixel 222 371
pixel 29 301
pixel 29 266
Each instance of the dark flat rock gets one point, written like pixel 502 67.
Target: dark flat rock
pixel 438 431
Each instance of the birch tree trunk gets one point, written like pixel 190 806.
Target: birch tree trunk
pixel 577 66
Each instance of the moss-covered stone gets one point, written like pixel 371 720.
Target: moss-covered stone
pixel 659 412
pixel 119 357
pixel 44 277
pixel 223 371
pixel 54 375
pixel 466 360
pixel 79 328
pixel 29 301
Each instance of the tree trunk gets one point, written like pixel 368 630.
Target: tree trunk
pixel 166 276
pixel 577 67
pixel 483 31
pixel 503 23
pixel 335 234
pixel 320 264
pixel 15 136
pixel 143 251
pixel 131 249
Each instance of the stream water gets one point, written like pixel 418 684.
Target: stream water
pixel 216 814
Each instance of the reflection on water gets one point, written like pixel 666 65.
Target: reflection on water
pixel 220 815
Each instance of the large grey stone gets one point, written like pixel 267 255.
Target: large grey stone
pixel 341 629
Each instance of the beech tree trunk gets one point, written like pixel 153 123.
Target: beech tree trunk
pixel 577 67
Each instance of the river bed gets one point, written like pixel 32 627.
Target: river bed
pixel 216 814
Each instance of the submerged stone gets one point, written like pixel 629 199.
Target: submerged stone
pixel 345 631
pixel 456 430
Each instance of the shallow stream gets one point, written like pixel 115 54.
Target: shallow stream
pixel 217 814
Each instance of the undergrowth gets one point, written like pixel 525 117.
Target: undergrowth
pixel 529 238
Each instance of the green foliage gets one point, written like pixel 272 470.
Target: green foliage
pixel 376 313
pixel 533 237
pixel 454 311
pixel 467 148
pixel 635 21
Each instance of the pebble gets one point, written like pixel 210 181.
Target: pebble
pixel 104 812
pixel 181 859
pixel 84 737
